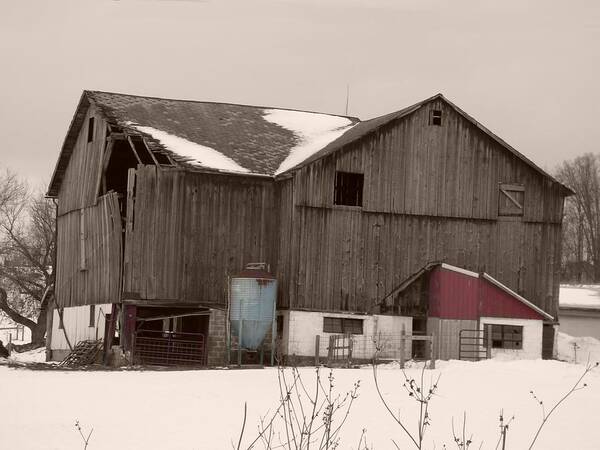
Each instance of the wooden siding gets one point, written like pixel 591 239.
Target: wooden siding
pixel 430 194
pixel 411 167
pixel 446 335
pixel 188 231
pixel 101 248
pixel 79 188
pixel 347 260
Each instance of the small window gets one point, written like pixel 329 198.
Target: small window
pixel 436 117
pixel 348 189
pixel 92 315
pixel 342 325
pixel 90 136
pixel 505 336
pixel 511 199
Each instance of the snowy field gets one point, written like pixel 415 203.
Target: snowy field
pixel 203 409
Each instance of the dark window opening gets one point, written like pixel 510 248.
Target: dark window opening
pixel 342 325
pixel 141 150
pixel 436 117
pixel 511 199
pixel 348 189
pixel 92 315
pixel 169 336
pixel 90 133
pixel 121 160
pixel 162 159
pixel 504 336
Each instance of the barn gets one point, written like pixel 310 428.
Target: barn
pixel 163 203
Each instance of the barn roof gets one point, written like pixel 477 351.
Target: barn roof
pixel 225 137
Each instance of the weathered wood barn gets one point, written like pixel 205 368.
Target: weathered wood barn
pixel 160 201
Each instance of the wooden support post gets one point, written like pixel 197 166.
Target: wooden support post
pixel 350 344
pixel 273 332
pixel 49 324
pixel 402 346
pixel 9 346
pixel 432 349
pixel 330 349
pixel 488 346
pixel 240 342
pixel 317 346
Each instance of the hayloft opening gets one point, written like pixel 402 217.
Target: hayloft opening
pixel 121 160
pixel 436 117
pixel 348 189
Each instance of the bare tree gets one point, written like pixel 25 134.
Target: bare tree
pixel 581 228
pixel 27 241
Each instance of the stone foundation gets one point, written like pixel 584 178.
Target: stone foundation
pixel 217 338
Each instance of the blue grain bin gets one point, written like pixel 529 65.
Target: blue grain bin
pixel 253 295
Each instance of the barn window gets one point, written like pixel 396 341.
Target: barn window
pixel 90 134
pixel 511 200
pixel 348 189
pixel 436 117
pixel 92 321
pixel 505 336
pixel 342 325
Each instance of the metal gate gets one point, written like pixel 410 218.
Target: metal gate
pixel 472 345
pixel 339 349
pixel 168 348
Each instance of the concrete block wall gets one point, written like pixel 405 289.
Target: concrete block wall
pixel 217 338
pixel 532 338
pixel 301 328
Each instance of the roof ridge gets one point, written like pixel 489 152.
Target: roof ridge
pixel 92 92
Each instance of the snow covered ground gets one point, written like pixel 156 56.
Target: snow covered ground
pixel 203 409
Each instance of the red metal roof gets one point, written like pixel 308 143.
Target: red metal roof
pixel 458 294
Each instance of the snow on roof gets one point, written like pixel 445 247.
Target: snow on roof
pixel 579 296
pixel 201 154
pixel 313 130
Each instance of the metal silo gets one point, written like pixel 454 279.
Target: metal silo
pixel 252 300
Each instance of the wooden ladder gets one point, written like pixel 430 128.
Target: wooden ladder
pixel 84 353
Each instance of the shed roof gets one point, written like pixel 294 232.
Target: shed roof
pixel 225 137
pixel 482 276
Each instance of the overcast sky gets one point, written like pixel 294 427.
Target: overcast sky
pixel 528 70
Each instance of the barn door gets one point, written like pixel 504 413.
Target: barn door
pixel 548 341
